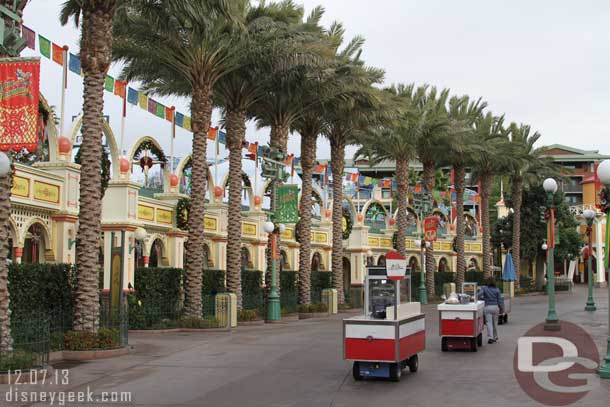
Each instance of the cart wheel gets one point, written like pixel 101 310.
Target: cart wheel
pixel 356 371
pixel 413 363
pixel 480 340
pixel 473 344
pixel 444 346
pixel 395 372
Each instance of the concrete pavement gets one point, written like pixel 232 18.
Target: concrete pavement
pixel 300 364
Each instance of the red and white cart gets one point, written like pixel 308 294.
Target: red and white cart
pixel 387 338
pixel 461 325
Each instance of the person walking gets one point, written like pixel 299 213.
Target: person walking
pixel 494 306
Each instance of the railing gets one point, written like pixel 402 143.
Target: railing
pixel 577 210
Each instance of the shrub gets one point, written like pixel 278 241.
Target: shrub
pixel 251 289
pixel 80 340
pixel 213 282
pixel 247 315
pixel 319 281
pixel 108 338
pixel 18 359
pixel 198 323
pixel 312 308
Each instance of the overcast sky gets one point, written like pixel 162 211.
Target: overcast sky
pixel 545 63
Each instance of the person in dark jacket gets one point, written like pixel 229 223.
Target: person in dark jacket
pixel 494 306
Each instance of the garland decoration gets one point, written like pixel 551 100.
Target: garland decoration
pixel 348 223
pixel 182 213
pixel 105 159
pixel 148 161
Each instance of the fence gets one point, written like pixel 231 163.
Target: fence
pixel 31 344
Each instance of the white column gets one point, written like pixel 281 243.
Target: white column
pixel 599 249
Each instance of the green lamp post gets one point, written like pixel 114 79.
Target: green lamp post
pixel 552 321
pixel 422 204
pixel 589 216
pixel 423 293
pixel 603 173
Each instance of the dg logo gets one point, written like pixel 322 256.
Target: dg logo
pixel 556 368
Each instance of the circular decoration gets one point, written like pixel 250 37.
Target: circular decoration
pixel 604 195
pixel 218 192
pixel 124 165
pixel 150 146
pixel 257 200
pixel 327 213
pixel 182 213
pixel 392 221
pixel 173 180
pixel 64 144
pixel 360 218
pixel 146 162
pixel 347 223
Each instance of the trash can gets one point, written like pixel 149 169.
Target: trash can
pixel 330 298
pixel 226 309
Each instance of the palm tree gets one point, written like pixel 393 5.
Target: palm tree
pixel 430 142
pixel 96 39
pixel 188 64
pixel 354 110
pixel 525 156
pixel 489 160
pixel 398 145
pixel 463 112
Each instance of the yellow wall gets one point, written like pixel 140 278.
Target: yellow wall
pixel 588 193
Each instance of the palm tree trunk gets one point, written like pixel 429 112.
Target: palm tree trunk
pixel 485 194
pixel 308 157
pixel 459 173
pixel 6 340
pixel 517 196
pixel 236 131
pixel 402 181
pixel 429 181
pixel 201 111
pixel 337 163
pixel 96 53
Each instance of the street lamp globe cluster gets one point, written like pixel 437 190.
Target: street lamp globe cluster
pixel 603 174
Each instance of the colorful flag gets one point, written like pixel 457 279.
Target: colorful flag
pixel 58 54
pixel 222 137
pixel 142 100
pixel 45 46
pixel 179 119
pixel 119 88
pixel 152 106
pixel 169 114
pixel 74 64
pixel 109 83
pixel 187 123
pixel 253 151
pixel 29 36
pixel 160 110
pixel 212 133
pixel 259 151
pixel 132 96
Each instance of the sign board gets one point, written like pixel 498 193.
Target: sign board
pixel 19 96
pixel 430 227
pixel 396 266
pixel 288 204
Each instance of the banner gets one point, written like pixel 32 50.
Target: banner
pixel 19 96
pixel 430 226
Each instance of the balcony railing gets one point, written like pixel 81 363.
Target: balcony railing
pixel 577 210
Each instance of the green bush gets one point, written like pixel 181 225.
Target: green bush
pixel 440 278
pixel 18 359
pixel 473 277
pixel 247 315
pixel 158 286
pixel 312 308
pixel 106 338
pixel 213 282
pixel 319 281
pixel 198 323
pixel 251 289
pixel 289 294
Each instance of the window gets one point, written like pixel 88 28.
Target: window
pixel 386 193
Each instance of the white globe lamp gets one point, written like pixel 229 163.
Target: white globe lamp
pixel 268 227
pixel 603 172
pixel 140 234
pixel 550 186
pixel 5 164
pixel 588 214
pixel 544 246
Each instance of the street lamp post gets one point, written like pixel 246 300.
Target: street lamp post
pixel 552 321
pixel 603 173
pixel 423 294
pixel 589 216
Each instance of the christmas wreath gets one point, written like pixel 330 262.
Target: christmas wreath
pixel 150 146
pixel 105 167
pixel 182 213
pixel 348 223
pixel 604 196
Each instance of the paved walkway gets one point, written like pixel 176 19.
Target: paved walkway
pixel 300 364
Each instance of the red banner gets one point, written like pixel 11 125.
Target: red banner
pixel 430 226
pixel 19 95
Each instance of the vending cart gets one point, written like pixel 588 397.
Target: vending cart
pixel 461 323
pixel 387 338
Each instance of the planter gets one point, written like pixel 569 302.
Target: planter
pixel 309 315
pixel 82 355
pixel 28 376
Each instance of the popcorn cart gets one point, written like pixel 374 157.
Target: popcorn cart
pixel 461 321
pixel 387 338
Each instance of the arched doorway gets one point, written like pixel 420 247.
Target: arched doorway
pixel 473 265
pixel 156 254
pixel 284 265
pixel 139 253
pixel 443 265
pixel 207 260
pixel 35 245
pixel 381 260
pixel 370 261
pixel 246 262
pixel 413 264
pixel 316 262
pixel 347 273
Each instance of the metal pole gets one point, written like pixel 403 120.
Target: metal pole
pixel 552 321
pixel 590 302
pixel 274 311
pixel 604 370
pixel 423 293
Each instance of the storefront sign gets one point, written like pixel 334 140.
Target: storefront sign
pixel 19 95
pixel 210 223
pixel 146 213
pixel 288 204
pixel 396 266
pixel 21 187
pixel 46 192
pixel 164 216
pixel 320 237
pixel 248 229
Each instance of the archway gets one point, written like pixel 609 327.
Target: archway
pixel 146 153
pixel 246 261
pixel 207 259
pixel 443 265
pixel 36 242
pixel 443 222
pixel 414 264
pixel 284 264
pixel 316 262
pixel 246 191
pixel 473 264
pixel 381 260
pixel 156 254
pixel 110 141
pixel 375 216
pixel 347 274
pixel 470 227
